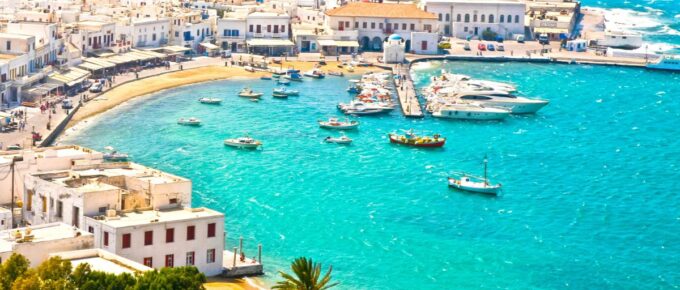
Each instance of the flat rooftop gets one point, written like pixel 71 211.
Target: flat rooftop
pixel 100 260
pixel 153 216
pixel 41 233
pixel 15 35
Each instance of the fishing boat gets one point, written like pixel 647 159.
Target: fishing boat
pixel 210 101
pixel 471 183
pixel 283 92
pixel 243 142
pixel 338 140
pixel 470 111
pixel 409 138
pixel 293 76
pixel 114 155
pixel 249 93
pixel 189 122
pixel 283 81
pixel 334 123
pixel 315 73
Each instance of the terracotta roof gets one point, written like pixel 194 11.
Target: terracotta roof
pixel 383 10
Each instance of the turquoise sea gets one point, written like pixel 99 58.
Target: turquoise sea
pixel 591 181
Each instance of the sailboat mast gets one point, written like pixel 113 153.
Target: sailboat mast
pixel 485 163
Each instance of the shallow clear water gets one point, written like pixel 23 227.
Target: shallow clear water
pixel 590 197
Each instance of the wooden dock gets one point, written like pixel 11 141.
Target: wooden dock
pixel 406 92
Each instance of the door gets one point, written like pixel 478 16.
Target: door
pixel 476 30
pixel 233 47
pixel 423 45
pixel 75 220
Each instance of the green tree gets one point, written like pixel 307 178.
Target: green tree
pixel 85 279
pixel 307 276
pixel 15 267
pixel 171 278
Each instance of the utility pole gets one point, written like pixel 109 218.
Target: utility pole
pixel 15 159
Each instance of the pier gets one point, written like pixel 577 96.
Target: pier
pixel 406 92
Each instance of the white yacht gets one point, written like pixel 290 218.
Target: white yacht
pixel 470 111
pixel 504 100
pixel 666 62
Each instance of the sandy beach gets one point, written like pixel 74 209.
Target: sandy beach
pixel 133 89
pixel 234 284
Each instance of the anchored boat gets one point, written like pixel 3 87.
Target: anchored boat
pixel 189 122
pixel 338 140
pixel 471 183
pixel 334 123
pixel 249 93
pixel 470 111
pixel 243 142
pixel 284 93
pixel 409 138
pixel 210 101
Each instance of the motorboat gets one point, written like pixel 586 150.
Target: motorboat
pixel 334 123
pixel 336 73
pixel 338 140
pixel 249 68
pixel 293 76
pixel 249 93
pixel 210 101
pixel 360 108
pixel 666 62
pixel 409 138
pixel 284 93
pixel 315 73
pixel 471 183
pixel 283 81
pixel 504 100
pixel 266 78
pixel 470 111
pixel 243 142
pixel 189 122
pixel 114 155
pixel 14 147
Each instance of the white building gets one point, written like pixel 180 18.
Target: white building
pixel 37 243
pixel 90 36
pixel 165 238
pixel 150 32
pixel 190 28
pixel 470 18
pixel 47 40
pixel 102 261
pixel 230 34
pixel 268 33
pixel 374 22
pixel 393 49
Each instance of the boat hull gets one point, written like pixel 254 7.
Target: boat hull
pixel 515 108
pixel 325 125
pixel 435 144
pixel 471 115
pixel 473 187
pixel 242 145
pixel 250 96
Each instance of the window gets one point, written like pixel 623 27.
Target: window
pixel 372 25
pixel 106 239
pixel 483 18
pixel 356 24
pixel 467 18
pixel 9 45
pixel 211 230
pixel 341 24
pixel 509 18
pixel 211 256
pixel 403 26
pixel 191 230
pixel 516 18
pixel 269 28
pixel 380 25
pixel 502 19
pixel 190 258
pixel 448 17
pixel 102 209
pixel 283 28
pixel 427 27
pixel 439 16
pixel 176 33
pixel 491 20
pixel 465 29
pixel 126 241
pixel 413 26
pixel 169 260
pixel 148 238
pixel 474 18
pixel 364 25
pixel 250 29
pixel 44 203
pixel 224 33
pixel 258 28
pixel 458 18
pixel 148 261
pixel 153 37
pixel 90 230
pixel 169 235
pixel 29 201
pixel 347 24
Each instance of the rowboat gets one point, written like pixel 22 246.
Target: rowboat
pixel 243 142
pixel 334 123
pixel 249 93
pixel 411 139
pixel 210 101
pixel 471 183
pixel 189 122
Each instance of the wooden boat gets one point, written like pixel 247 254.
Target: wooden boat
pixel 189 122
pixel 249 93
pixel 334 123
pixel 475 184
pixel 336 73
pixel 210 101
pixel 338 140
pixel 411 139
pixel 243 142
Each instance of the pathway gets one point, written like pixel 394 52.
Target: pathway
pixel 406 92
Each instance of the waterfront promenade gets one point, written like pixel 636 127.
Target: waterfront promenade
pixel 406 92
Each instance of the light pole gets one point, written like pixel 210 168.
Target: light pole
pixel 15 159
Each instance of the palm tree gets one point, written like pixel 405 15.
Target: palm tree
pixel 307 274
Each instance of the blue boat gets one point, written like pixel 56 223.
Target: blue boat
pixel 294 77
pixel 283 81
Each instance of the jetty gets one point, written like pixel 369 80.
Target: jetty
pixel 406 92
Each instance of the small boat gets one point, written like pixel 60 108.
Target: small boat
pixel 293 77
pixel 249 93
pixel 249 68
pixel 283 92
pixel 334 123
pixel 114 155
pixel 266 78
pixel 315 73
pixel 411 139
pixel 350 68
pixel 338 140
pixel 276 76
pixel 283 81
pixel 189 122
pixel 475 184
pixel 14 147
pixel 243 142
pixel 210 101
pixel 336 73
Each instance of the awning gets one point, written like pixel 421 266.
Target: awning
pixel 69 77
pixel 176 49
pixel 326 42
pixel 209 46
pixel 550 30
pixel 90 66
pixel 269 42
pixel 100 62
pixel 347 43
pixel 152 54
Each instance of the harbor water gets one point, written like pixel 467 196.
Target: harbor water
pixel 590 182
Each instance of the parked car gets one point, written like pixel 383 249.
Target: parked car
pixel 499 39
pixel 96 88
pixel 466 46
pixel 66 104
pixel 481 46
pixel 543 39
pixel 519 38
pixel 490 47
pixel 500 47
